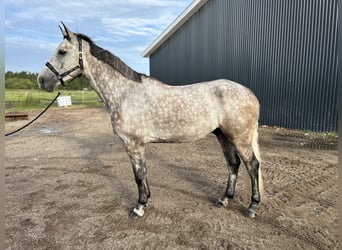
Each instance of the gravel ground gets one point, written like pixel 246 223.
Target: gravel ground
pixel 69 185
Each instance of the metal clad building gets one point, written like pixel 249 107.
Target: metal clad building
pixel 284 51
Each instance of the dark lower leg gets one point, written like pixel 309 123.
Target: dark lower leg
pixel 233 164
pixel 253 170
pixel 233 168
pixel 140 174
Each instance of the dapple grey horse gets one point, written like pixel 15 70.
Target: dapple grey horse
pixel 144 110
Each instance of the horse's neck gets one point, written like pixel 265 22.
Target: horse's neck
pixel 106 81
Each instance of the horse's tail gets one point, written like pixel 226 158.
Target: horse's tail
pixel 256 151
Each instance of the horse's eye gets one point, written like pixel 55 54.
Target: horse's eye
pixel 61 52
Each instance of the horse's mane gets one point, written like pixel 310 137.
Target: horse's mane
pixel 111 60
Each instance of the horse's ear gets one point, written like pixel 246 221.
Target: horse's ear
pixel 66 32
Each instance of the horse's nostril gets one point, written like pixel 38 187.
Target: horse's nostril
pixel 41 81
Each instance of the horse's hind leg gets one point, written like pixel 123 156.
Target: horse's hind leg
pixel 244 148
pixel 252 165
pixel 233 164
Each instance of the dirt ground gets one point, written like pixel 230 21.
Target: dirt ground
pixel 70 185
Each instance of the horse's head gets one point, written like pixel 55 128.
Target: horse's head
pixel 65 64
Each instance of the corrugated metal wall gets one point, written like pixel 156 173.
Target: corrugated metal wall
pixel 285 51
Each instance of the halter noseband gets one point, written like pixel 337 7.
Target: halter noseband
pixel 79 66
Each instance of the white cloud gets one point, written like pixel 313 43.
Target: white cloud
pixel 126 27
pixel 19 42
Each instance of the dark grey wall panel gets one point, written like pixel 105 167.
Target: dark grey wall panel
pixel 285 51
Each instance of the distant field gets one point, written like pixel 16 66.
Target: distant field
pixel 16 100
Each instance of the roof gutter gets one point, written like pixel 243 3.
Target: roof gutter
pixel 174 26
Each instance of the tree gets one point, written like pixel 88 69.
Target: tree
pixel 28 80
pixel 19 83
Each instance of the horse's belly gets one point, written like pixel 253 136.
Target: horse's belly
pixel 181 130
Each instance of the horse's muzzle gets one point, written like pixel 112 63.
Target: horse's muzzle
pixel 43 85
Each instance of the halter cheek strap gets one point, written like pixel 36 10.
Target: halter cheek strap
pixel 68 72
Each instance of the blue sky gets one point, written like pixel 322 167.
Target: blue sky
pixel 124 27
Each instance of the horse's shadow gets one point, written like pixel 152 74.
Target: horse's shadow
pixel 203 188
pixel 97 166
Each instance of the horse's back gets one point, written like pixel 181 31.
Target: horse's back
pixel 233 99
pixel 220 100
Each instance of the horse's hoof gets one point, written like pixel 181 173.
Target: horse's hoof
pixel 252 210
pixel 133 215
pixel 221 203
pixel 218 204
pixel 137 212
pixel 250 214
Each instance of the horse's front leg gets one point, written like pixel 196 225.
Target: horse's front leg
pixel 137 157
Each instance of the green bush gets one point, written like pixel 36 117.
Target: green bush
pixel 27 80
pixel 20 83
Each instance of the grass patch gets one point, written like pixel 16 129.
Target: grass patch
pixel 17 100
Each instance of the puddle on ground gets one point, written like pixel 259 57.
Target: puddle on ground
pixel 50 130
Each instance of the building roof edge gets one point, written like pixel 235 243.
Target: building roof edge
pixel 174 26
